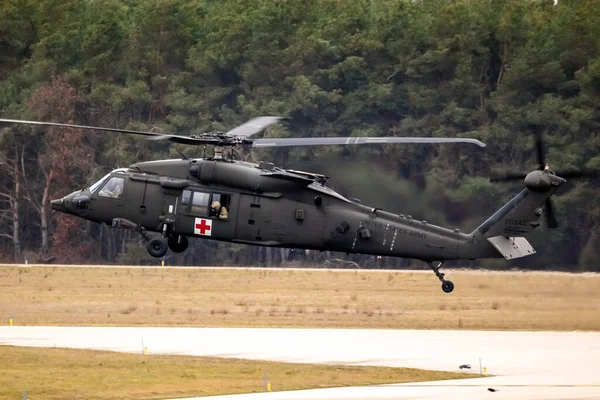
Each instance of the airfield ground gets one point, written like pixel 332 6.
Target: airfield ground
pixel 220 297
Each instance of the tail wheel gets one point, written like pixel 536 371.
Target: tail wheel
pixel 447 286
pixel 157 246
pixel 178 244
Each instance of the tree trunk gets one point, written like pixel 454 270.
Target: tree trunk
pixel 502 65
pixel 44 211
pixel 12 197
pixel 284 256
pixel 101 240
pixel 15 216
pixel 589 259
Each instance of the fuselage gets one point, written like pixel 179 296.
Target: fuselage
pixel 264 205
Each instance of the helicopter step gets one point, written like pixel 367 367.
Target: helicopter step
pixel 447 286
pixel 157 246
pixel 127 224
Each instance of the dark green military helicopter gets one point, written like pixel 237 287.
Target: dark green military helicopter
pixel 260 204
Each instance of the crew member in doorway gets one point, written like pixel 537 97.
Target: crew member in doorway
pixel 217 210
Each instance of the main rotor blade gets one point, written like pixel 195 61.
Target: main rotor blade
pixel 93 128
pixel 257 125
pixel 321 141
pixel 185 139
pixel 253 126
pixel 149 135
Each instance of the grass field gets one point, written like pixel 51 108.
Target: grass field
pixel 82 374
pixel 297 298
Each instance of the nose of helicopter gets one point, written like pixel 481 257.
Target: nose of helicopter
pixel 76 203
pixel 59 205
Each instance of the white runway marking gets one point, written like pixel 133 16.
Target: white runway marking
pixel 425 269
pixel 525 365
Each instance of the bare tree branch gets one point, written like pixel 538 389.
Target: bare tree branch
pixel 34 203
pixel 5 214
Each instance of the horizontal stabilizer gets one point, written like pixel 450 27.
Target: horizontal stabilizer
pixel 512 247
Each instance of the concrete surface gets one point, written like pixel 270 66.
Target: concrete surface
pixel 524 365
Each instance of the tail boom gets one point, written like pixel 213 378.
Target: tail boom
pixel 504 233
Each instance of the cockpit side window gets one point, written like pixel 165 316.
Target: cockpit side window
pixel 113 188
pixel 194 202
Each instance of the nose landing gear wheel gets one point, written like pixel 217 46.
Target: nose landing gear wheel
pixel 157 246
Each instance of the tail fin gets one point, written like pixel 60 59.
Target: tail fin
pixel 507 228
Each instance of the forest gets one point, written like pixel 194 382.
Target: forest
pixel 494 70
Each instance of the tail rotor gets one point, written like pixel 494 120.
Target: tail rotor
pixel 550 216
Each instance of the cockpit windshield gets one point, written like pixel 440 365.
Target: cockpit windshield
pixel 98 184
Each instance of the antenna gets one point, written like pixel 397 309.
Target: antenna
pixel 183 156
pixel 218 153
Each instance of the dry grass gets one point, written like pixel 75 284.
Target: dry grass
pixel 297 298
pixel 82 374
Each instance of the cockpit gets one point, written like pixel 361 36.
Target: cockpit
pixel 110 185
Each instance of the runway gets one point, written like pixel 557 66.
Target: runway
pixel 524 365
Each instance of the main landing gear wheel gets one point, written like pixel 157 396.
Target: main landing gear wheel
pixel 447 286
pixel 177 244
pixel 157 246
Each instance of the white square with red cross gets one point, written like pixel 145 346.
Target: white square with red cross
pixel 203 227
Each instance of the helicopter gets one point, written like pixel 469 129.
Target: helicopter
pixel 224 199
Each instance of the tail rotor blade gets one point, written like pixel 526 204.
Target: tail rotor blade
pixel 539 147
pixel 507 176
pixel 584 173
pixel 550 216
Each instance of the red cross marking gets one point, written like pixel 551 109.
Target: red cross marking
pixel 203 227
